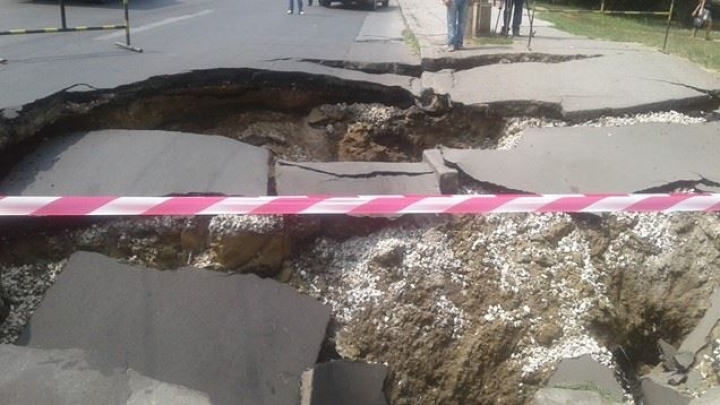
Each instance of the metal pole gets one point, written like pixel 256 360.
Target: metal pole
pixel 127 45
pixel 63 20
pixel 667 30
pixel 532 20
pixel 127 22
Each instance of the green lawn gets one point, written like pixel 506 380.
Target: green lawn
pixel 649 31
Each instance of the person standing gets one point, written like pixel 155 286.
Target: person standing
pixel 513 15
pixel 456 16
pixel 290 7
pixel 703 18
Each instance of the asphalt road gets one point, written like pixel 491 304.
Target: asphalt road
pixel 181 35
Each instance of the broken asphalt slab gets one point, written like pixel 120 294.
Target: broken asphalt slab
pixel 655 392
pixel 612 84
pixel 710 397
pixel 585 372
pixel 344 382
pixel 353 178
pixel 237 338
pixel 597 160
pixel 700 336
pixel 140 163
pixel 605 78
pixel 562 396
pixel 70 376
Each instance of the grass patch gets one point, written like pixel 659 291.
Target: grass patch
pixel 411 40
pixel 649 31
pixel 491 40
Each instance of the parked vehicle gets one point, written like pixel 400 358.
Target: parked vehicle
pixel 373 4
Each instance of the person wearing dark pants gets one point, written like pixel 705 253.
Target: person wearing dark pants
pixel 456 16
pixel 513 14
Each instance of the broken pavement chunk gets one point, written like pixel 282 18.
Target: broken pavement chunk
pixel 71 376
pixel 236 338
pixel 700 336
pixel 354 178
pixel 684 360
pixel 667 354
pixel 448 178
pixel 563 396
pixel 710 397
pixel 656 393
pixel 346 383
pixel 597 160
pixel 152 163
pixel 585 371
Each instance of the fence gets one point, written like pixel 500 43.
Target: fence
pixel 602 10
pixel 65 28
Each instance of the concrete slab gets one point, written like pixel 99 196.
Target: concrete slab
pixel 613 84
pixel 353 178
pixel 238 338
pixel 700 336
pixel 71 376
pixel 448 178
pixel 624 77
pixel 584 372
pixel 151 163
pixel 560 396
pixel 343 382
pixel 655 393
pixel 598 160
pixel 710 397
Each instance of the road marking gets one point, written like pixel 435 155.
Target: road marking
pixel 160 23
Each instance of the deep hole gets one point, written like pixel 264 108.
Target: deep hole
pixel 315 132
pixel 317 120
pixel 635 348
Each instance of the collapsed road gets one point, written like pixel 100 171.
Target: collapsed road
pixel 423 309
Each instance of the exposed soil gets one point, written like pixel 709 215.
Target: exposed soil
pixel 471 309
pixel 462 309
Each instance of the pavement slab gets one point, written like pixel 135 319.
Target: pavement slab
pixel 597 160
pixel 344 382
pixel 657 393
pixel 71 376
pixel 701 335
pixel 353 178
pixel 561 396
pixel 612 84
pixel 152 163
pixel 238 338
pixel 606 78
pixel 586 373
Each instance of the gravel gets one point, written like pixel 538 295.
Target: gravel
pixel 346 275
pixel 514 128
pixel 26 286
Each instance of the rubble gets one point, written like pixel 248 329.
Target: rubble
pixel 342 382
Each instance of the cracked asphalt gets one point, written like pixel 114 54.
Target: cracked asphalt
pixel 561 76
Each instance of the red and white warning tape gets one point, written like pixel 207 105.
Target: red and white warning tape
pixel 359 205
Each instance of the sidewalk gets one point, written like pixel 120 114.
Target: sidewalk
pixel 427 20
pixel 575 77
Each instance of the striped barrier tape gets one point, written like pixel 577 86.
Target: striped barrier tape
pixel 358 205
pixel 58 29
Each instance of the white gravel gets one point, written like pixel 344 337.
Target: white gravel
pixel 26 285
pixel 343 275
pixel 514 128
